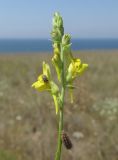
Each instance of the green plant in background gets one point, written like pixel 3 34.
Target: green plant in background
pixel 7 155
pixel 67 68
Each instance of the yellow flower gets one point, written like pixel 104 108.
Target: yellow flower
pixel 44 83
pixel 40 84
pixel 76 68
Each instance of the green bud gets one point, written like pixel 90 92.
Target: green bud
pixel 56 35
pixel 57 20
pixel 58 29
pixel 56 47
pixel 56 61
pixel 66 44
pixel 66 39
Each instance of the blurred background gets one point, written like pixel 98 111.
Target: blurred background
pixel 28 124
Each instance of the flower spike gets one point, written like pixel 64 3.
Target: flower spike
pixel 67 69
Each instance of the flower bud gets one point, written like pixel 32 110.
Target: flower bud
pixel 66 39
pixel 56 35
pixel 58 30
pixel 56 48
pixel 56 61
pixel 57 20
pixel 66 44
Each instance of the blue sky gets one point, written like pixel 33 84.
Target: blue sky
pixel 82 18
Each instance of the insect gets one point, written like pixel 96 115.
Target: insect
pixel 66 140
pixel 45 79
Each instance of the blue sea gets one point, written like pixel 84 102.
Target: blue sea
pixel 45 45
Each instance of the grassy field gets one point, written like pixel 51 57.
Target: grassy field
pixel 28 124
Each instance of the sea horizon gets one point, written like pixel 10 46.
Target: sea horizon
pixel 26 45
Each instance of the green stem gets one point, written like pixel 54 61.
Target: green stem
pixel 59 146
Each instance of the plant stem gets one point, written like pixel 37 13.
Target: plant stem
pixel 58 153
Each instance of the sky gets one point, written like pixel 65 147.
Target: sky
pixel 82 18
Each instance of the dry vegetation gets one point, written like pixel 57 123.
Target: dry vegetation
pixel 28 124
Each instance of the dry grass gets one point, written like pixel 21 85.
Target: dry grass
pixel 28 124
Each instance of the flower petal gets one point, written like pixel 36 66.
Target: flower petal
pixel 40 85
pixel 82 68
pixel 46 70
pixel 76 68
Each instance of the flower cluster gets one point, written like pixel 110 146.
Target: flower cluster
pixel 73 67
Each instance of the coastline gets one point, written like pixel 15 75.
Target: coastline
pixel 96 51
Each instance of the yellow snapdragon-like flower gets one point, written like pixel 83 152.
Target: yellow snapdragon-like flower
pixel 44 83
pixel 41 84
pixel 76 68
